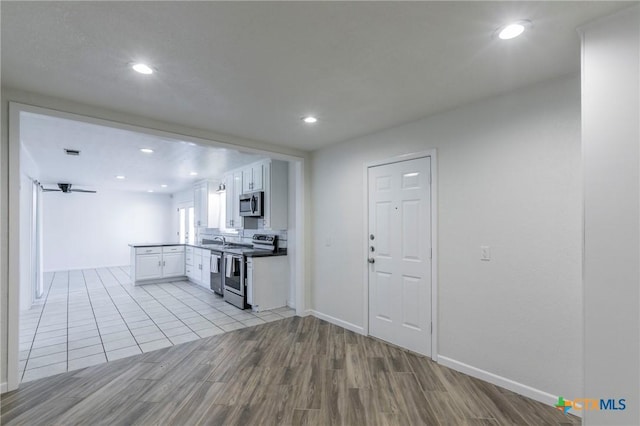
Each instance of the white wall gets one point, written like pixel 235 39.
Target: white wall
pixel 94 230
pixel 510 178
pixel 28 172
pixel 611 147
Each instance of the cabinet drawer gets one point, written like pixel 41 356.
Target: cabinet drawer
pixel 148 250
pixel 188 259
pixel 173 249
pixel 188 249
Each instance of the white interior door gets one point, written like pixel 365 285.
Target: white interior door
pixel 400 254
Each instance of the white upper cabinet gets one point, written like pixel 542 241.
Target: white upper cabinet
pixel 233 182
pixel 270 176
pixel 253 178
pixel 201 204
pixel 206 205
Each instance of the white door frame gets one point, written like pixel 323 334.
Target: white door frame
pixel 434 240
pixel 297 258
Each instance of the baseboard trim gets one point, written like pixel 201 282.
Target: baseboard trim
pixel 3 387
pixel 503 382
pixel 337 321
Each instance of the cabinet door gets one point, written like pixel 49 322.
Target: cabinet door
pixel 249 278
pixel 197 260
pixel 257 183
pixel 173 265
pixel 214 211
pixel 197 203
pixel 206 269
pixel 247 180
pixel 231 201
pixel 148 266
pixel 237 192
pixel 201 204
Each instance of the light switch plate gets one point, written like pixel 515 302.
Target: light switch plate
pixel 485 253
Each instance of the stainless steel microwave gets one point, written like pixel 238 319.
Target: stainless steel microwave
pixel 251 204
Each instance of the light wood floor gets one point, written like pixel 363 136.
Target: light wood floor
pixel 292 371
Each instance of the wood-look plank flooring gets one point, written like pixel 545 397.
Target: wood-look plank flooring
pixel 296 371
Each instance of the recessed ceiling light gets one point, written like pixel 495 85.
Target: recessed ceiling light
pixel 142 68
pixel 146 150
pixel 194 173
pixel 150 190
pixel 513 30
pixel 163 186
pixel 309 119
pixel 119 177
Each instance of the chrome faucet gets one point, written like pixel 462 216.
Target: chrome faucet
pixel 220 238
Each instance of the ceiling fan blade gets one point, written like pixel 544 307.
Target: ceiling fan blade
pixel 50 190
pixel 83 190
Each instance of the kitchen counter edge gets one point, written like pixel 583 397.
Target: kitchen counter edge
pixel 248 252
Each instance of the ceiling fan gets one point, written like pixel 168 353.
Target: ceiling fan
pixel 66 188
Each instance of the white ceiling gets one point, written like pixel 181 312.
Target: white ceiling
pixel 106 152
pixel 252 69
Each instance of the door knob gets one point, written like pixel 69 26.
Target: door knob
pixel 372 260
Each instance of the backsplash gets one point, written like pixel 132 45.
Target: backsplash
pixel 243 236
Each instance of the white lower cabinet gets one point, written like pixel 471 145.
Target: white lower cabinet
pixel 198 266
pixel 173 264
pixel 148 266
pixel 205 281
pixel 157 262
pixel 267 282
pixel 188 262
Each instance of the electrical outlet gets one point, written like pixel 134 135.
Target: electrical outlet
pixel 485 253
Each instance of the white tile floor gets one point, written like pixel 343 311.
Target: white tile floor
pixel 96 315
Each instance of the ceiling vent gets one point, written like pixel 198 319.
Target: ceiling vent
pixel 72 152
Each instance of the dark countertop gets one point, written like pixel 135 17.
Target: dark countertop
pixel 247 250
pixel 244 250
pixel 154 244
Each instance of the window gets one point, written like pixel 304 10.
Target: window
pixel 186 225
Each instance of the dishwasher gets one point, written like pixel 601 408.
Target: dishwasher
pixel 217 272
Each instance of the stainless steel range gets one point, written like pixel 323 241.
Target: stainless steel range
pixel 235 267
pixel 235 289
